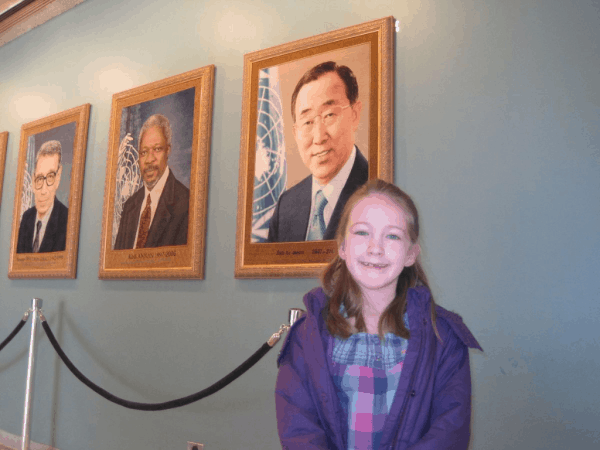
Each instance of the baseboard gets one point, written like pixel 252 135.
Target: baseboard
pixel 9 441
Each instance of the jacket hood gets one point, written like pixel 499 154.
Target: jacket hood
pixel 418 299
pixel 316 299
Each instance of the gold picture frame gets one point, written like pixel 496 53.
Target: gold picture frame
pixel 175 243
pixel 267 170
pixel 3 145
pixel 61 201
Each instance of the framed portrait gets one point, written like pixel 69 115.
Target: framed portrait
pixel 47 209
pixel 155 195
pixel 317 123
pixel 3 142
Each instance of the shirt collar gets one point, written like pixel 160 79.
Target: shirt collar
pixel 156 191
pixel 333 189
pixel 46 217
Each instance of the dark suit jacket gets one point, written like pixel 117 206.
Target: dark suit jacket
pixel 55 237
pixel 290 219
pixel 170 223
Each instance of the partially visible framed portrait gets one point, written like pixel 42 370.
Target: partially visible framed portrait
pixel 47 211
pixel 317 123
pixel 155 195
pixel 3 142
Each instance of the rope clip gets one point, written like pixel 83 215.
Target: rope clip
pixel 274 339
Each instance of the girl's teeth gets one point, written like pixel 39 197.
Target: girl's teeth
pixel 373 265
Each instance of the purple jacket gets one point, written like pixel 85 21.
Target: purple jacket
pixel 432 407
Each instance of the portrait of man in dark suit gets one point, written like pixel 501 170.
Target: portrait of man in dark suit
pixel 157 214
pixel 326 114
pixel 43 227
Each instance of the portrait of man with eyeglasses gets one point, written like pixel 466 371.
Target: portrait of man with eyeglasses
pixel 43 227
pixel 326 113
pixel 157 214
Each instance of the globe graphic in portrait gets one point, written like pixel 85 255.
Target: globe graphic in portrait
pixel 270 165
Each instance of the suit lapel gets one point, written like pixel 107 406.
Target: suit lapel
pixel 133 218
pixel 51 227
pixel 356 179
pixel 30 231
pixel 301 216
pixel 302 228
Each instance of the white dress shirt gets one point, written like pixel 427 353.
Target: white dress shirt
pixel 331 190
pixel 155 194
pixel 44 220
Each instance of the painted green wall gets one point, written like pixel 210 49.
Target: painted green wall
pixel 496 137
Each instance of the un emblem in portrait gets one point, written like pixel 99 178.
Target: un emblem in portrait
pixel 270 166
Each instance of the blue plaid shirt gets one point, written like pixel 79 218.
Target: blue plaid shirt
pixel 366 374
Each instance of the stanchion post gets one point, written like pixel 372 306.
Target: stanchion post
pixel 36 306
pixel 294 314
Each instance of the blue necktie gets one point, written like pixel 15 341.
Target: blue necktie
pixel 317 227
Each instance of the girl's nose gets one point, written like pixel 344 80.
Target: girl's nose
pixel 375 246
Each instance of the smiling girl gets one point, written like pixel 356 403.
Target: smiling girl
pixel 375 364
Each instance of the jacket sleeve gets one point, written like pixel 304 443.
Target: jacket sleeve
pixel 298 421
pixel 451 403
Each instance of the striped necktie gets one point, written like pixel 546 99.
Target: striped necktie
pixel 317 227
pixel 144 225
pixel 36 241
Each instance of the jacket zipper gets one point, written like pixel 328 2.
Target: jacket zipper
pixel 409 391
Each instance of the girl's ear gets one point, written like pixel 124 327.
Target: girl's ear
pixel 342 250
pixel 413 254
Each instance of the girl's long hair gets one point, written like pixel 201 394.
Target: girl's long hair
pixel 341 288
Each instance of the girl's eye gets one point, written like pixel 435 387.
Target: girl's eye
pixel 361 233
pixel 393 236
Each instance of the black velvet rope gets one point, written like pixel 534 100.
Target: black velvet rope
pixel 156 406
pixel 13 334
